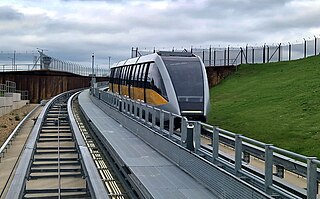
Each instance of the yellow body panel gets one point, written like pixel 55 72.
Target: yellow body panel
pixel 136 93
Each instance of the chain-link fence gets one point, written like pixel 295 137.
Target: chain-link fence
pixel 231 56
pixel 31 60
pixel 59 65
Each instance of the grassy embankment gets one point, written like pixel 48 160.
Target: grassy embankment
pixel 277 103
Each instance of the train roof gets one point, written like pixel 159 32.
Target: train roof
pixel 152 57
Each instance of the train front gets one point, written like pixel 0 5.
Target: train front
pixel 189 79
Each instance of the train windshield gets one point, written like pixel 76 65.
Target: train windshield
pixel 187 78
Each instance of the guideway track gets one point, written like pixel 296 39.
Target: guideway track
pixel 54 163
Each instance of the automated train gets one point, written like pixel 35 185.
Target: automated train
pixel 173 81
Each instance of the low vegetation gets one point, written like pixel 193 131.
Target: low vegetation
pixel 276 103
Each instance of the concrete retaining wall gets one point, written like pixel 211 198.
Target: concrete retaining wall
pixel 10 102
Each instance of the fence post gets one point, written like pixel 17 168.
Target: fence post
pixel 305 47
pixel 241 54
pixel 264 54
pixel 311 178
pixel 268 53
pixel 214 57
pixel 252 55
pixel 289 51
pixel 279 58
pixel 210 56
pixel 225 57
pixel 246 53
pixel 315 45
pixel 228 55
pixel 268 162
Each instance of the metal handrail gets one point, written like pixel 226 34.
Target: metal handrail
pixel 14 132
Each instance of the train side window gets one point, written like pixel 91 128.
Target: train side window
pixel 125 75
pixel 134 68
pixel 116 76
pixel 136 74
pixel 128 74
pixel 155 81
pixel 120 74
pixel 141 75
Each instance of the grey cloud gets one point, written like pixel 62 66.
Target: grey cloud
pixel 8 14
pixel 183 23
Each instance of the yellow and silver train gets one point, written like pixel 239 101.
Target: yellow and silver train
pixel 173 81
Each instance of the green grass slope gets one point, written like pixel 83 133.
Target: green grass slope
pixel 276 103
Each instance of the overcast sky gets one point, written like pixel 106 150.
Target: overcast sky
pixel 73 30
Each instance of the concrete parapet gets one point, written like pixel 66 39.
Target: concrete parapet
pixel 2 100
pixel 16 97
pixel 2 111
pixel 10 102
pixel 19 104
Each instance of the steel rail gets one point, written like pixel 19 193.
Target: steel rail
pixel 94 181
pixel 18 185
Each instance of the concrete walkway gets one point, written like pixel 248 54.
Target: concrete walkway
pixel 8 162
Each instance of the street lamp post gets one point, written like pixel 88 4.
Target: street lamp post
pixel 93 80
pixel 109 62
pixel 14 60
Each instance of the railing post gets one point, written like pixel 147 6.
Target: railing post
pixel 171 125
pixel 238 154
pixel 215 144
pixel 131 108
pixel 161 120
pixel 311 178
pixel 153 117
pixel 196 136
pixel 141 111
pixel 183 130
pixel 268 172
pixel 189 138
pixel 147 113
